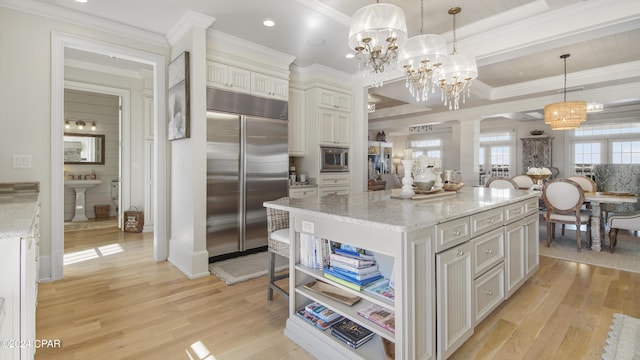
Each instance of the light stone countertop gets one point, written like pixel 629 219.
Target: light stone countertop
pixel 17 214
pixel 377 209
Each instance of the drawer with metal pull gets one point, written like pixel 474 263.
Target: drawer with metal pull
pixel 489 292
pixel 488 251
pixel 452 233
pixel 486 221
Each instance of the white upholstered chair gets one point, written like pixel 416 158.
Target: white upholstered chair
pixel 563 199
pixel 586 183
pixel 277 244
pixel 499 182
pixel 524 181
pixel 628 221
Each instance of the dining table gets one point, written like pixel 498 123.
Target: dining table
pixel 604 197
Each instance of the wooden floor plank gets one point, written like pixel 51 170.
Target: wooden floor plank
pixel 124 305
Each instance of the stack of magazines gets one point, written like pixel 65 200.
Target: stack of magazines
pixel 352 268
pixel 319 315
pixel 379 315
pixel 351 333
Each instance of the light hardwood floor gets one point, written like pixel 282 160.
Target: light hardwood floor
pixel 123 305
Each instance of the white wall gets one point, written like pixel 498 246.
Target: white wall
pixel 103 110
pixel 25 99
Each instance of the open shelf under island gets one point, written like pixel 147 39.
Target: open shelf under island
pixel 453 261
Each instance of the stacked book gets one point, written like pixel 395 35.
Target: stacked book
pixel 352 269
pixel 319 315
pixel 351 333
pixel 314 251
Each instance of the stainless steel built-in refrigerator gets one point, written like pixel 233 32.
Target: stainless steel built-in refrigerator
pixel 247 164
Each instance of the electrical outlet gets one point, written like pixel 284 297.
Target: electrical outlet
pixel 307 227
pixel 21 161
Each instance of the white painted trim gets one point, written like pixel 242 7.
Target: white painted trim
pixel 327 10
pixel 105 69
pixel 124 136
pixel 45 267
pixel 188 21
pixel 59 41
pixel 92 22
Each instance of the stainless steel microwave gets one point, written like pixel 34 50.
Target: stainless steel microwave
pixel 334 159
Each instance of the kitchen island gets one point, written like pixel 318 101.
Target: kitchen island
pixel 453 259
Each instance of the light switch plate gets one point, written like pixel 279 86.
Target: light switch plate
pixel 21 161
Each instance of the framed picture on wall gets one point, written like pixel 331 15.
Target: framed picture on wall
pixel 179 97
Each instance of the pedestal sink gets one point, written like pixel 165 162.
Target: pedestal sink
pixel 80 187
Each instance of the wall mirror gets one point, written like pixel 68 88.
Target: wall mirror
pixel 83 149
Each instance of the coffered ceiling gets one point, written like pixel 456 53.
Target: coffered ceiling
pixel 517 43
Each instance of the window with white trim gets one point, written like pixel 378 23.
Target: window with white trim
pixel 612 143
pixel 494 155
pixel 430 147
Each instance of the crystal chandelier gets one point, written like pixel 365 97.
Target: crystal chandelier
pixel 456 76
pixel 565 115
pixel 376 33
pixel 421 59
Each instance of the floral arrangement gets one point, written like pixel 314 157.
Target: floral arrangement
pixel 538 171
pixel 422 163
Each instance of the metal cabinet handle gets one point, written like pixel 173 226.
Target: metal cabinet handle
pixel 489 251
pixel 489 292
pixel 491 221
pixel 518 212
pixel 460 252
pixel 456 233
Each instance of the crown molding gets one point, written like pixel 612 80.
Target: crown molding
pixel 189 20
pixel 326 10
pixel 229 49
pixel 88 21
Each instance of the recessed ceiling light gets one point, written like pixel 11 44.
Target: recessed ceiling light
pixel 316 42
pixel 81 1
pixel 268 23
pixel 349 56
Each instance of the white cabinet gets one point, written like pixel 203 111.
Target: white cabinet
pixel 455 300
pixel 334 127
pixel 521 251
pixel 19 267
pixel 228 77
pixel 231 78
pixel 334 184
pixel 296 123
pixel 334 100
pixel 269 86
pixel 303 192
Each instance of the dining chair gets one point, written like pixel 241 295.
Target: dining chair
pixel 626 221
pixel 587 185
pixel 563 199
pixel 501 182
pixel 524 181
pixel 277 244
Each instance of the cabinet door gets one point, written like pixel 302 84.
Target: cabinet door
pixel 269 86
pixel 228 77
pixel 342 123
pixel 325 118
pixel 280 89
pixel 296 123
pixel 455 317
pixel 334 100
pixel 217 75
pixel 515 261
pixel 533 244
pixel 239 80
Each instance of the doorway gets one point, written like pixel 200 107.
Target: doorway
pixel 60 42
